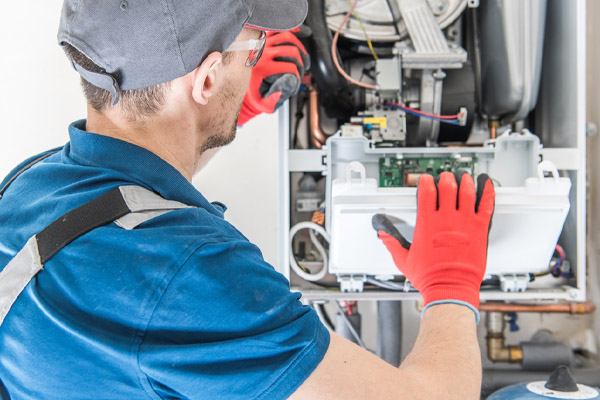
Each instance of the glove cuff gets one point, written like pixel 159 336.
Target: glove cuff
pixel 463 294
pixel 460 303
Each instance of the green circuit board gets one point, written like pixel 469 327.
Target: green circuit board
pixel 394 172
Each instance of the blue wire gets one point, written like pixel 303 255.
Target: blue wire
pixel 556 271
pixel 451 122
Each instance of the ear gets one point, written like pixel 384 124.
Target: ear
pixel 204 78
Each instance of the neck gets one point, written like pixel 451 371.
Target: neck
pixel 171 137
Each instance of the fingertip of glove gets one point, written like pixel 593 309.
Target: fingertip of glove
pixel 447 179
pixel 378 221
pixel 427 193
pixel 486 193
pixel 424 180
pixel 462 174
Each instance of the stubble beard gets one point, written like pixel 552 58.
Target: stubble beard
pixel 220 122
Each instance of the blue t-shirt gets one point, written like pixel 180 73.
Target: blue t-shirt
pixel 184 306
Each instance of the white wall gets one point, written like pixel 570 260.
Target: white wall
pixel 244 176
pixel 40 96
pixel 40 92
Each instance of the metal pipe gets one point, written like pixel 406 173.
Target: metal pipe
pixel 499 352
pixel 545 356
pixel 586 307
pixel 497 349
pixel 317 136
pixel 389 331
pixel 543 352
pixel 493 125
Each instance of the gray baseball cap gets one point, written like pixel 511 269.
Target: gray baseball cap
pixel 141 43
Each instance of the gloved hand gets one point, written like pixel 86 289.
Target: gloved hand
pixel 276 77
pixel 447 258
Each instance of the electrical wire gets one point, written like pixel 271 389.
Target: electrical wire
pixel 318 246
pixel 494 281
pixel 425 114
pixel 318 217
pixel 349 326
pixel 322 313
pixel 349 305
pixel 386 285
pixel 555 265
pixel 355 15
pixel 556 271
pixel 447 119
pixel 334 287
pixel 300 103
pixel 294 264
pixel 334 53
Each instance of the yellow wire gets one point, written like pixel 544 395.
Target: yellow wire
pixel 364 30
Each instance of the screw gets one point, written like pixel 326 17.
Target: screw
pixel 123 5
pixel 591 129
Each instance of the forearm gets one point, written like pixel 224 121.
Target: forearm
pixel 446 357
pixel 444 364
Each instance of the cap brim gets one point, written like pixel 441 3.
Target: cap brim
pixel 281 15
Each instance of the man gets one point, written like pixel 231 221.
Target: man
pixel 183 306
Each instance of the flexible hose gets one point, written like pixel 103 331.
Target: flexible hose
pixel 294 264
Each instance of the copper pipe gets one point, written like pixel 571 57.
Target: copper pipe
pixel 496 347
pixel 586 307
pixel 498 351
pixel 493 125
pixel 317 137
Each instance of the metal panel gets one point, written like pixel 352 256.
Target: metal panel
pixel 561 90
pixel 511 43
pixel 284 193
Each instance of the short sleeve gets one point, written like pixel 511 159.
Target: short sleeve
pixel 228 327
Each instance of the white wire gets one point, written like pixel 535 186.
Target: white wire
pixel 386 285
pixel 318 246
pixel 294 264
pixel 315 306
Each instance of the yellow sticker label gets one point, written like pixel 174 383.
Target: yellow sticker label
pixel 381 121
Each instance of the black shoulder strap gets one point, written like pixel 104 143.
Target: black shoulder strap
pixel 64 230
pixel 116 205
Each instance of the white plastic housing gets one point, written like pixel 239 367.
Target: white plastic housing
pixel 525 227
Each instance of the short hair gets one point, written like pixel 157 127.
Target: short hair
pixel 137 103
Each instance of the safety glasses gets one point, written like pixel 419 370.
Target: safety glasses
pixel 255 46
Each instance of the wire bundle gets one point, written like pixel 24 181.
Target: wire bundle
pixel 334 53
pixel 447 119
pixel 556 271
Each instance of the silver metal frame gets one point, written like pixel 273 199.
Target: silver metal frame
pixel 567 159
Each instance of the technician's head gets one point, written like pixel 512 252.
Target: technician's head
pixel 140 58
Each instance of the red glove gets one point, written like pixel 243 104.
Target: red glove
pixel 447 258
pixel 276 77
